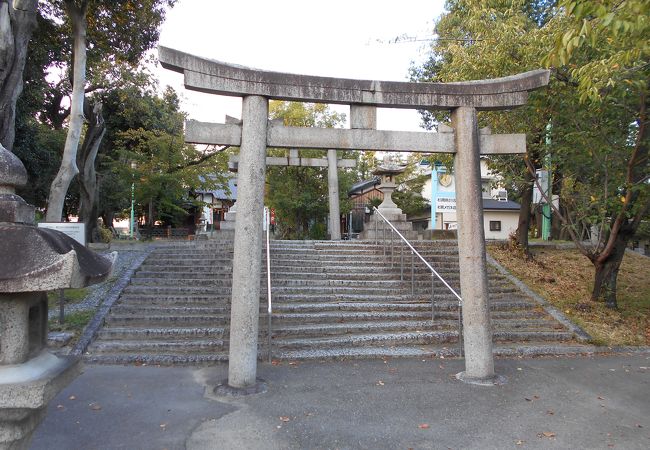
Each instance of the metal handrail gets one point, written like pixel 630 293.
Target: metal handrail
pixel 269 310
pixel 433 271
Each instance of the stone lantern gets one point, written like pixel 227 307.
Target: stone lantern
pixel 387 172
pixel 32 261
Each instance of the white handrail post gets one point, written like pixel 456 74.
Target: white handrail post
pixel 433 307
pixel 376 231
pixel 401 261
pixel 269 311
pixel 412 273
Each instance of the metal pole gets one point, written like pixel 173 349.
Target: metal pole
pixel 269 312
pixel 383 232
pixel 376 231
pixel 433 308
pixel 61 306
pixel 412 274
pixel 401 261
pixel 460 328
pixel 391 248
pixel 132 222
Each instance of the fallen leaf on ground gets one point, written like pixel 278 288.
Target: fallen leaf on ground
pixel 293 363
pixel 380 383
pixel 550 412
pixel 72 397
pixel 163 425
pixel 519 442
pixel 95 406
pixel 284 418
pixel 600 398
pixel 548 434
pixel 275 362
pixel 61 407
pixel 423 426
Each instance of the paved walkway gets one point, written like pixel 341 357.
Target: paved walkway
pixel 569 403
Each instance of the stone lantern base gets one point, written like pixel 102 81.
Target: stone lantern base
pixel 25 390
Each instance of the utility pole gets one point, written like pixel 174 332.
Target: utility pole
pixel 546 209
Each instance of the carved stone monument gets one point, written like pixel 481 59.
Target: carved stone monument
pixel 32 261
pixel 377 229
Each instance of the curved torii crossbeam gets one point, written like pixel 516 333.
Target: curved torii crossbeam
pixel 215 77
pixel 254 134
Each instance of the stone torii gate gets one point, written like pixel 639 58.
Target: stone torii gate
pixel 255 134
pixel 294 160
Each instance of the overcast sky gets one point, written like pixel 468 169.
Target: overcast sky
pixel 337 38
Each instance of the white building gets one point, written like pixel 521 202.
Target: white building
pixel 500 215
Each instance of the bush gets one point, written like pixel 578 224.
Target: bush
pixel 105 235
pixel 318 231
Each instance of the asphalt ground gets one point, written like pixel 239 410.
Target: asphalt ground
pixel 597 402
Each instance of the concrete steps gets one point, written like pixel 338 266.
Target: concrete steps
pixel 330 300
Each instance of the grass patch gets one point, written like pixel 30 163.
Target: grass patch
pixel 564 277
pixel 75 323
pixel 71 296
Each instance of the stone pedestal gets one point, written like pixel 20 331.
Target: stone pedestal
pixel 374 229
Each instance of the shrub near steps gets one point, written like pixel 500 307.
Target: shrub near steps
pixel 330 299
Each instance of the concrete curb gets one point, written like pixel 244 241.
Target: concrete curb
pixel 90 332
pixel 580 334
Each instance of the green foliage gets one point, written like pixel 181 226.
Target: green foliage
pixel 105 235
pixel 614 37
pixel 71 296
pixel 409 198
pixel 591 120
pixel 40 149
pixel 75 322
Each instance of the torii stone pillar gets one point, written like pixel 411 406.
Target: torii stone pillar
pixel 247 260
pixel 333 189
pixel 332 162
pixel 479 364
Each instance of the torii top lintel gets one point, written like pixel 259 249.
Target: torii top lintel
pixel 214 77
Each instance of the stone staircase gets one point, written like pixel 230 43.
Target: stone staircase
pixel 330 300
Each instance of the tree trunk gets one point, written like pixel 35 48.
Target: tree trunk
pixel 107 218
pixel 607 271
pixel 624 227
pixel 17 21
pixel 521 235
pixel 68 169
pixel 86 163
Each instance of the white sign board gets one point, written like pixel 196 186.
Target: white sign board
pixel 76 230
pixel 445 204
pixel 542 178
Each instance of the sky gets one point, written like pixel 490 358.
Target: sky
pixel 336 38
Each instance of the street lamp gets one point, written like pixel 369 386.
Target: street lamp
pixel 132 221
